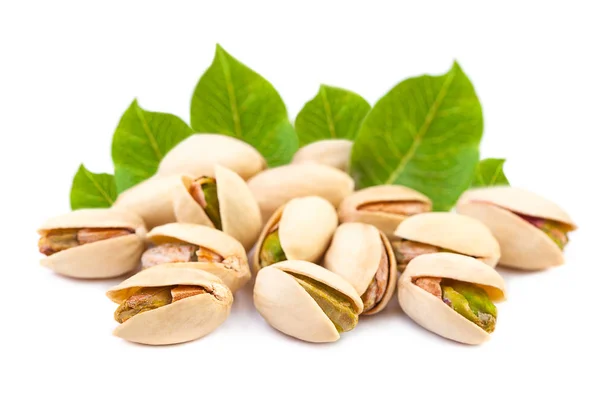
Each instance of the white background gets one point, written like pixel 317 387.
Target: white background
pixel 69 70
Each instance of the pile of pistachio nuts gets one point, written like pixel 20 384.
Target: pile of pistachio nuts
pixel 323 255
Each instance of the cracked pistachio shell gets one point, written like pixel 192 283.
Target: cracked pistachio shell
pixel 306 225
pixel 431 312
pixel 332 152
pixel 184 320
pixel 240 214
pixel 198 154
pixel 288 307
pixel 459 233
pixel 523 245
pixel 212 239
pixel 386 222
pixel 151 199
pixel 355 255
pixel 276 186
pixel 102 259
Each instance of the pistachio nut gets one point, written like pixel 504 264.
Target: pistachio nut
pixel 169 304
pixel 301 229
pixel 532 231
pixel 198 154
pixel 276 186
pixel 223 202
pixel 306 301
pixel 362 255
pixel 384 206
pixel 332 152
pixel 92 243
pixel 436 232
pixel 451 295
pixel 199 247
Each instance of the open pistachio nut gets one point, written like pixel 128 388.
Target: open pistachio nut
pixel 92 243
pixel 362 255
pixel 436 232
pixel 223 202
pixel 451 295
pixel 198 154
pixel 301 229
pixel 169 304
pixel 384 206
pixel 332 152
pixel 199 247
pixel 531 230
pixel 276 186
pixel 306 301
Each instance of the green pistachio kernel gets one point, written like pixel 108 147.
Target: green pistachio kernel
pixel 209 189
pixel 145 299
pixel 271 251
pixel 470 301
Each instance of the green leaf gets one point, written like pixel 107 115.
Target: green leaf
pixel 141 140
pixel 90 190
pixel 333 113
pixel 423 134
pixel 490 172
pixel 232 99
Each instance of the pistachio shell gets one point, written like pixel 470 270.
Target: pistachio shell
pixel 386 222
pixel 276 186
pixel 454 232
pixel 240 214
pixel 429 311
pixel 355 255
pixel 306 225
pixel 214 240
pixel 198 154
pixel 286 306
pixel 184 320
pixel 102 259
pixel 332 152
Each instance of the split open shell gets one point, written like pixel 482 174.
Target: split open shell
pixel 181 321
pixel 276 186
pixel 305 224
pixel 458 233
pixel 102 259
pixel 349 210
pixel 198 154
pixel 287 307
pixel 240 214
pixel 355 255
pixel 332 152
pixel 523 245
pixel 234 272
pixel 431 312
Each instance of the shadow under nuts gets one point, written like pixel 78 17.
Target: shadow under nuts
pixel 169 304
pixel 363 256
pixel 306 301
pixel 436 232
pixel 199 247
pixel 92 243
pixel 451 295
pixel 531 230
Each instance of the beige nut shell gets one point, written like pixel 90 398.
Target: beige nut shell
pixel 240 214
pixel 198 154
pixel 455 232
pixel 432 313
pixel 523 245
pixel 276 186
pixel 332 152
pixel 355 254
pixel 184 320
pixel 287 307
pixel 212 239
pixel 102 259
pixel 306 225
pixel 386 222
